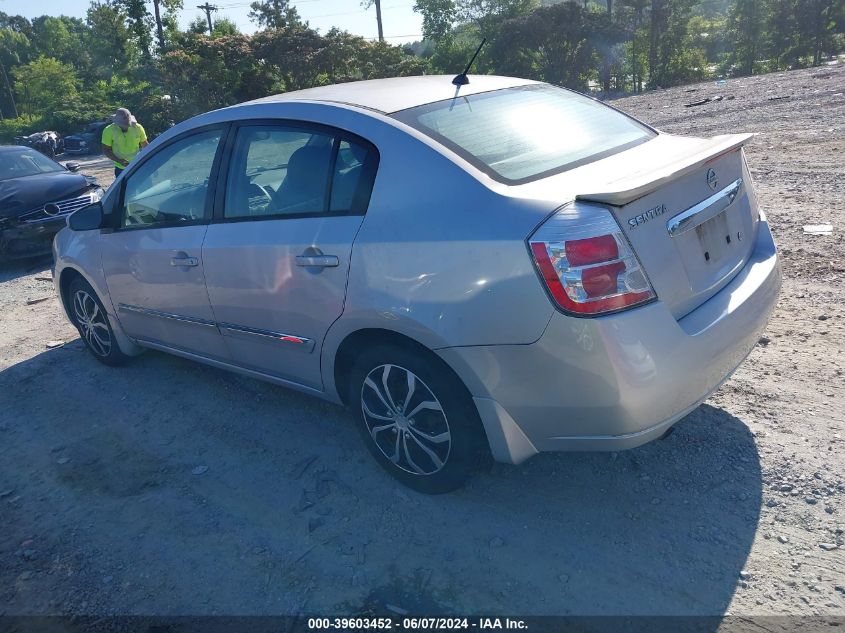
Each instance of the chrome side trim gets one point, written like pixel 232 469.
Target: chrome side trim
pixel 228 329
pixel 235 368
pixel 704 210
pixel 122 307
pixel 249 333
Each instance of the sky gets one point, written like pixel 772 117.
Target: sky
pixel 401 24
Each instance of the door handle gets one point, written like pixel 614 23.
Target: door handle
pixel 321 261
pixel 184 261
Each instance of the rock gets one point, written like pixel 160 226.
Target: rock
pixel 783 539
pixel 828 546
pixel 829 509
pixel 395 609
pixel 785 487
pixel 30 302
pixel 764 340
pixel 107 579
pixel 655 502
pixel 771 503
pixel 811 500
pixel 199 470
pixel 745 575
pixel 63 460
pixel 316 523
pixel 54 344
pixel 29 554
pixel 26 575
pixel 564 578
pixel 7 493
pixel 497 541
pixel 823 317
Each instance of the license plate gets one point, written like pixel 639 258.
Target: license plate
pixel 715 237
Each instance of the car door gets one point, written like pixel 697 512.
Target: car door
pixel 152 259
pixel 277 255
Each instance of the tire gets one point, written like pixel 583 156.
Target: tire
pixel 89 317
pixel 433 441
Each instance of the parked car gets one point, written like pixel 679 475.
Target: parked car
pixel 36 195
pixel 492 270
pixel 49 143
pixel 88 141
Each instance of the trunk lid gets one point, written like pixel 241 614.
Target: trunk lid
pixel 691 220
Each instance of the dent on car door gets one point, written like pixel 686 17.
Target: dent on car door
pixel 277 255
pixel 153 258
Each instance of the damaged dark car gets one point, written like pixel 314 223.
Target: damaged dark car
pixel 36 195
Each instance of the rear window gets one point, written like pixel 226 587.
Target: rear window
pixel 528 132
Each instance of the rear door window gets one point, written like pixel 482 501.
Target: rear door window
pixel 281 171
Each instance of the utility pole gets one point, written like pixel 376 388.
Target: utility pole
pixel 378 19
pixel 208 8
pixel 9 88
pixel 159 27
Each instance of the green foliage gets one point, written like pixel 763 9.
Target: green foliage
pixel 61 73
pixel 21 126
pixel 224 27
pixel 109 41
pixel 438 18
pixel 558 44
pixel 274 14
pixel 45 85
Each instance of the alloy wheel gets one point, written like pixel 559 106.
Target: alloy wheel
pixel 405 420
pixel 92 323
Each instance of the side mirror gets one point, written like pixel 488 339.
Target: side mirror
pixel 72 166
pixel 87 218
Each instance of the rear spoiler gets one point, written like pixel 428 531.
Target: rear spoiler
pixel 633 186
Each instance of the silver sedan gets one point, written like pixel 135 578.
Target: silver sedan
pixel 480 271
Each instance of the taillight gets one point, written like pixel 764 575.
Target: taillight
pixel 586 262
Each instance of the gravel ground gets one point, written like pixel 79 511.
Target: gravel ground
pixel 167 487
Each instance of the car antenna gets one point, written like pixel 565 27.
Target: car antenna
pixel 462 79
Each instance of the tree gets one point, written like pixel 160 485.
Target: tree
pixel 555 44
pixel 170 7
pixel 274 14
pixel 45 85
pixel 746 21
pixel 15 48
pixel 109 40
pixel 62 38
pixel 670 57
pixel 438 17
pixel 224 27
pixel 782 29
pixel 140 24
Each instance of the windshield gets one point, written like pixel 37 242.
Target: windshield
pixel 527 132
pixel 25 162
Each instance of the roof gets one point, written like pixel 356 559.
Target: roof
pixel 398 93
pixel 7 148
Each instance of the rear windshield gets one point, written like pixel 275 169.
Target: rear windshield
pixel 528 132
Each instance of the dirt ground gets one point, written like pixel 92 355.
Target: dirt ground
pixel 167 487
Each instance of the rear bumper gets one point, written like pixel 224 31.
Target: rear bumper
pixel 619 381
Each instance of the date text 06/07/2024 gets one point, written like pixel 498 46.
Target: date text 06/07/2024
pixel 415 623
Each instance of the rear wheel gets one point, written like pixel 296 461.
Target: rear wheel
pixel 416 419
pixel 89 317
